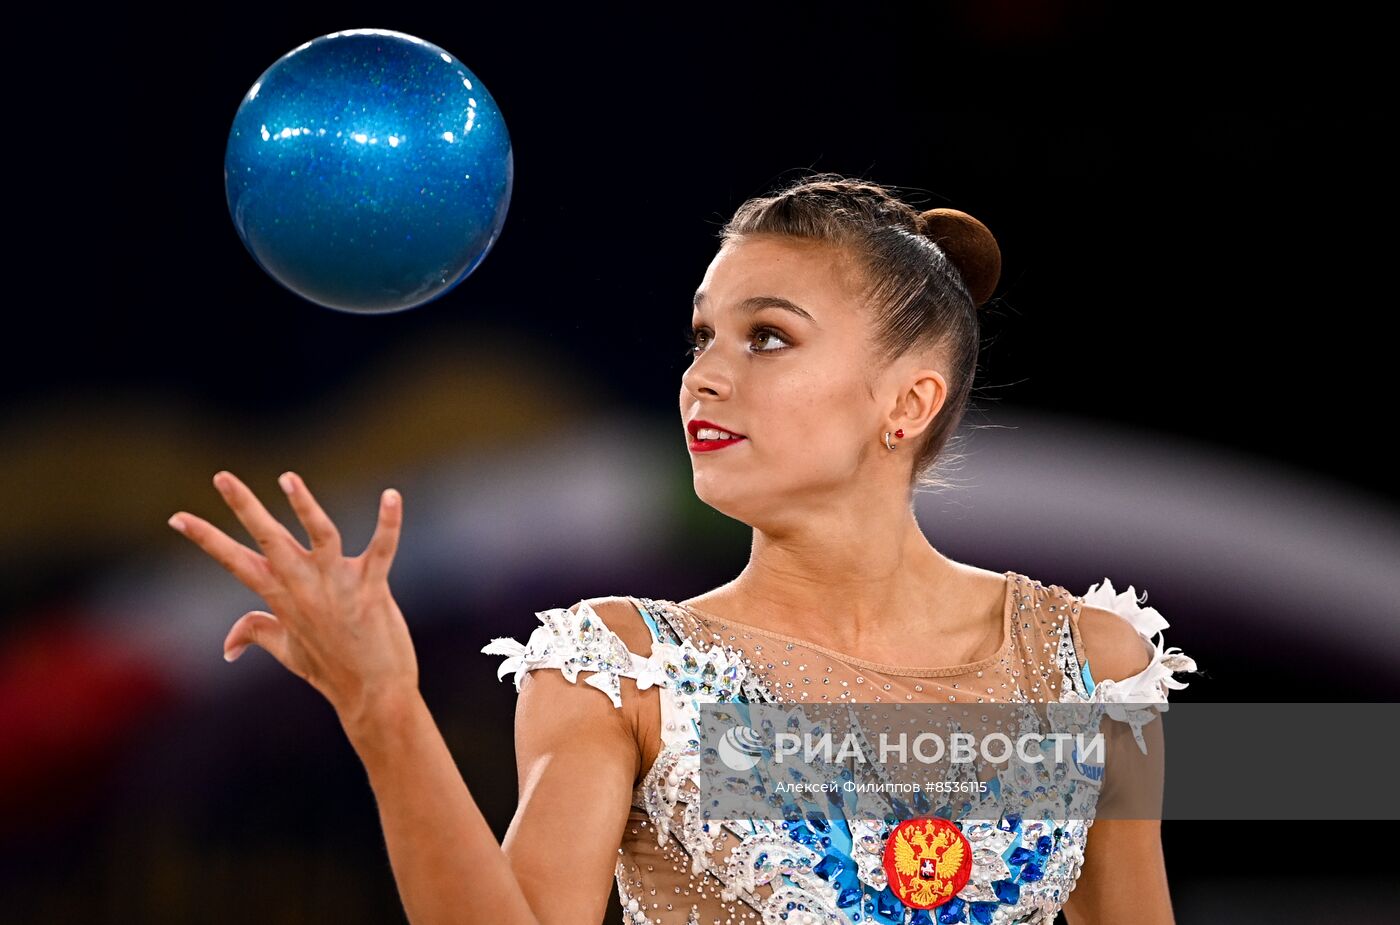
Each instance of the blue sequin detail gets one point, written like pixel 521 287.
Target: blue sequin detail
pixel 1020 856
pixel 1086 677
pixel 829 867
pixel 952 912
pixel 888 906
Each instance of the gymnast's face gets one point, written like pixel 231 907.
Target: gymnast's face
pixel 801 383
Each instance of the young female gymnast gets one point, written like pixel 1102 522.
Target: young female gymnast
pixel 835 338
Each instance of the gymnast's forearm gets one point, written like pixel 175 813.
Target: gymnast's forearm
pixel 446 860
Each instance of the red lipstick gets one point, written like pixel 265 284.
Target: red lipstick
pixel 705 446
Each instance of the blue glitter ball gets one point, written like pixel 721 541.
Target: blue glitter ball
pixel 368 171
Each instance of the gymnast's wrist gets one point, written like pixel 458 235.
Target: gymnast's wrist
pixel 376 717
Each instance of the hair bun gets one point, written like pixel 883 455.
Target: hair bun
pixel 971 247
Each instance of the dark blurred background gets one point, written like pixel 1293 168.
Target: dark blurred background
pixel 1184 388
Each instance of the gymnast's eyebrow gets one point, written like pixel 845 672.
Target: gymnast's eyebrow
pixel 754 303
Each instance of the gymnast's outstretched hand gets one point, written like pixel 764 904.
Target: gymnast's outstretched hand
pixel 331 619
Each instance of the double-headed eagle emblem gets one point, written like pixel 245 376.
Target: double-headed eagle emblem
pixel 927 861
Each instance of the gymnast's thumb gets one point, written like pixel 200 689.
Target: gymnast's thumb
pixel 254 627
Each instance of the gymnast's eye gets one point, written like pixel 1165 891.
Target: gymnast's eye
pixel 698 338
